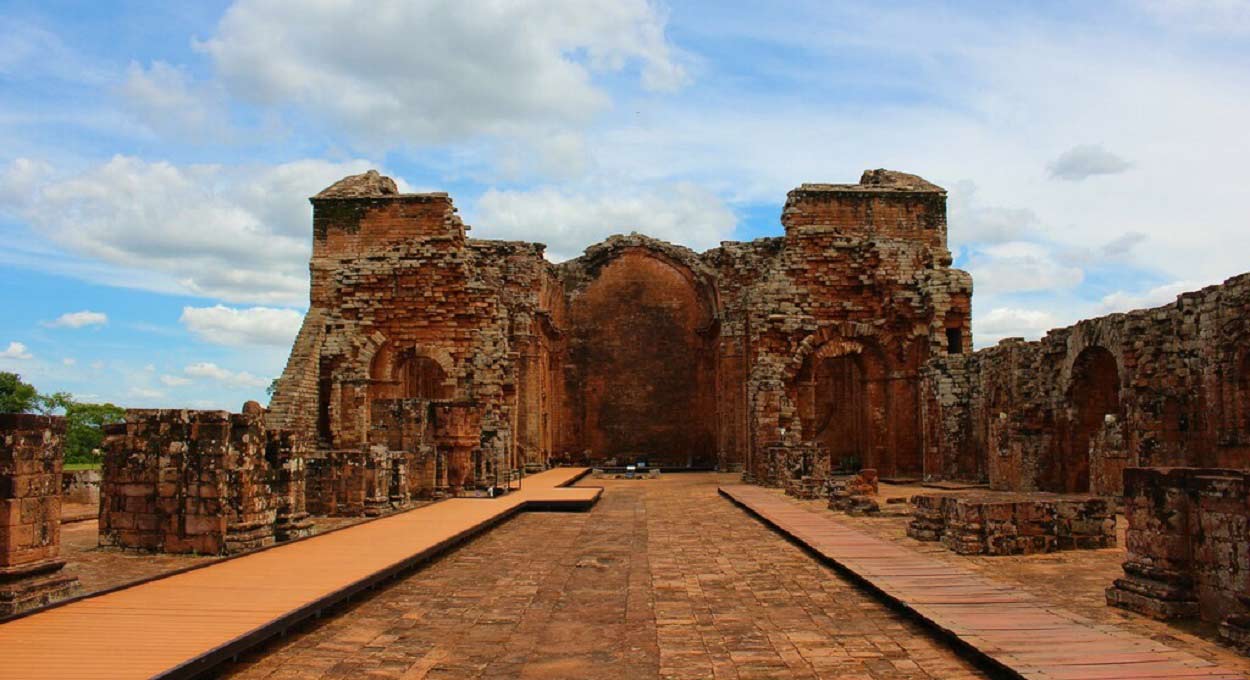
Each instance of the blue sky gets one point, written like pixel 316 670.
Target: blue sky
pixel 155 158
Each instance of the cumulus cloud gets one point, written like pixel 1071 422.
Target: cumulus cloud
pixel 174 380
pixel 16 350
pixel 235 233
pixel 568 221
pixel 167 100
pixel 223 325
pixel 439 70
pixel 972 222
pixel 1006 322
pixel 1019 266
pixel 212 371
pixel 1121 301
pixel 69 361
pixel 1085 161
pixel 79 320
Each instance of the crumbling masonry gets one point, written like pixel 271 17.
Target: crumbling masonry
pixel 750 356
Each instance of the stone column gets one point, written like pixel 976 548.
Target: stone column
pixel 458 431
pixel 31 459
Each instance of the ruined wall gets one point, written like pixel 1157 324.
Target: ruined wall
pixel 636 349
pixel 1168 386
pixel 640 368
pixel 837 332
pixel 207 482
pixel 1188 529
pixel 31 458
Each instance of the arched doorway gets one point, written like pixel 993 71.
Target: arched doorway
pixel 1093 395
pixel 842 402
pixel 408 374
pixel 642 378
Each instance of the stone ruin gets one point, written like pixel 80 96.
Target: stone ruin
pixel 433 364
pixel 203 482
pixel 739 358
pixel 30 513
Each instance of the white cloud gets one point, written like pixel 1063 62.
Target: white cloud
pixel 214 372
pixel 79 319
pixel 165 98
pixel 1121 301
pixel 69 361
pixel 1005 322
pixel 568 221
pixel 971 222
pixel 1019 266
pixel 20 180
pixel 16 350
pixel 1205 16
pixel 1085 161
pixel 252 326
pixel 174 380
pixel 237 233
pixel 145 393
pixel 439 70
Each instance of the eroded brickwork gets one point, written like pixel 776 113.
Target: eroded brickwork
pixel 638 350
pixel 1155 387
pixel 206 482
pixel 1012 524
pixel 1188 545
pixel 31 459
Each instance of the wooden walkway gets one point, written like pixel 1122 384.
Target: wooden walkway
pixel 183 624
pixel 1012 630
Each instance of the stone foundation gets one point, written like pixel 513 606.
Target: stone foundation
pixel 31 459
pixel 854 494
pixel 205 482
pixel 1188 537
pixel 1012 524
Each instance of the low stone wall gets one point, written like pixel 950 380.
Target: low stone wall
pixel 855 494
pixel 81 486
pixel 207 482
pixel 1013 524
pixel 31 457
pixel 1188 546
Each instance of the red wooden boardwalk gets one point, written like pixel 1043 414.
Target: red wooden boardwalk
pixel 183 624
pixel 1016 631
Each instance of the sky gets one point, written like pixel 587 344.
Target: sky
pixel 156 158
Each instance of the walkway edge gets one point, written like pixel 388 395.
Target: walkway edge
pixel 196 667
pixel 984 661
pixel 1026 643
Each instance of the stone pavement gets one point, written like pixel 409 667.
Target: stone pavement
pixel 1021 632
pixel 661 579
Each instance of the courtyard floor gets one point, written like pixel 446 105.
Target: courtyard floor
pixel 662 578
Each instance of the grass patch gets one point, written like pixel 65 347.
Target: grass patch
pixel 77 467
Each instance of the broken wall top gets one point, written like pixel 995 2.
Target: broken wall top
pixel 884 204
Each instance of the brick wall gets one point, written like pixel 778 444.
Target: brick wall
pixel 31 457
pixel 1188 537
pixel 207 482
pixel 1153 387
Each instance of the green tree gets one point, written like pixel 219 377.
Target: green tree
pixel 17 396
pixel 84 429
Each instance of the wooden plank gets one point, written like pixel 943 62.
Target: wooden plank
pixel 1016 631
pixel 171 624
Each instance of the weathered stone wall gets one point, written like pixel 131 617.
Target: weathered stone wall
pixel 1188 543
pixel 992 523
pixel 207 482
pixel 636 349
pixel 1155 387
pixel 31 458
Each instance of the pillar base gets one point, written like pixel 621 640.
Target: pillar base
pixel 27 586
pixel 1157 595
